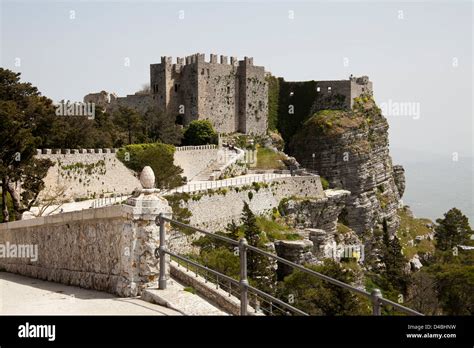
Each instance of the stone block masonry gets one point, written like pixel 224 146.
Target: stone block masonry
pixel 107 249
pixel 234 97
pixel 214 211
pixel 90 173
pixel 87 173
pixel 194 159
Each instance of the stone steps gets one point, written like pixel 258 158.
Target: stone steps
pixel 214 170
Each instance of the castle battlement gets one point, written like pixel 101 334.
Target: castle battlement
pixel 201 58
pixel 74 151
pixel 233 96
pixel 40 152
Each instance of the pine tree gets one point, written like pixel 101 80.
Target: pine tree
pixel 452 230
pixel 394 261
pixel 259 267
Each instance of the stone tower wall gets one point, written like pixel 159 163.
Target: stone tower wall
pixel 217 97
pixel 232 95
pixel 254 118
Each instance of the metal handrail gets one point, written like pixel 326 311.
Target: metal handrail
pixel 235 282
pixel 375 296
pixel 227 286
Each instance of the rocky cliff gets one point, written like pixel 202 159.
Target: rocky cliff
pixel 349 148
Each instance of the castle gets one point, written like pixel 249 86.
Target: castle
pixel 232 95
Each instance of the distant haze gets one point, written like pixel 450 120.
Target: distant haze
pixel 418 55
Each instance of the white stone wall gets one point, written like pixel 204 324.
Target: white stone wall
pixel 105 249
pixel 195 159
pixel 215 211
pixel 108 177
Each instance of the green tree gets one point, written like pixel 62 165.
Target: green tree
pixel 259 268
pixel 318 297
pixel 394 261
pixel 159 126
pixel 200 132
pixel 128 120
pixel 422 293
pixel 21 109
pixel 452 230
pixel 455 284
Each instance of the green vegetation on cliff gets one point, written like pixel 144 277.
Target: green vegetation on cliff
pixel 295 100
pixel 269 159
pixel 273 101
pixel 410 228
pixel 317 297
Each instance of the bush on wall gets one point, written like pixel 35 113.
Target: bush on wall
pixel 158 156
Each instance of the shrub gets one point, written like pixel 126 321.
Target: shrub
pixel 200 132
pixel 325 183
pixel 159 157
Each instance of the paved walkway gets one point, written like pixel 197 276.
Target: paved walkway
pixel 21 295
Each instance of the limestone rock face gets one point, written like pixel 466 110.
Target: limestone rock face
pixel 399 177
pixel 315 213
pixel 415 263
pixel 351 152
pixel 297 251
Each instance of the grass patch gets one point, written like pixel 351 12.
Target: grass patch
pixel 276 230
pixel 190 289
pixel 409 229
pixel 269 159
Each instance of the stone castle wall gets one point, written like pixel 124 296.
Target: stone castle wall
pixel 90 173
pixel 87 173
pixel 232 96
pixel 215 211
pixel 110 102
pixel 195 159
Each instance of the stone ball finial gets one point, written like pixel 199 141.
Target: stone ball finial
pixel 147 178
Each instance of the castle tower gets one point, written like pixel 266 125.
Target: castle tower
pixel 233 97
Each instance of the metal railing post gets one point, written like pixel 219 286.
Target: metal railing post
pixel 243 276
pixel 376 295
pixel 162 250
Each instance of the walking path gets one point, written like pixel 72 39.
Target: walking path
pixel 21 295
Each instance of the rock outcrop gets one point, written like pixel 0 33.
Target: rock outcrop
pixel 297 251
pixel 399 177
pixel 315 213
pixel 351 151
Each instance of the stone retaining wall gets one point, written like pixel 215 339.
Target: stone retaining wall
pixel 107 249
pixel 215 210
pixel 86 173
pixel 195 159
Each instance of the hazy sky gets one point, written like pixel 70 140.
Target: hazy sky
pixel 417 53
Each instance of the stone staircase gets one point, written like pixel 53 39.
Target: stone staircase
pixel 225 157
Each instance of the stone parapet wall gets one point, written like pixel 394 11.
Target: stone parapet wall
pixel 107 249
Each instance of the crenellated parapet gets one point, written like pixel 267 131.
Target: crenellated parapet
pixel 201 58
pixel 198 147
pixel 74 151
